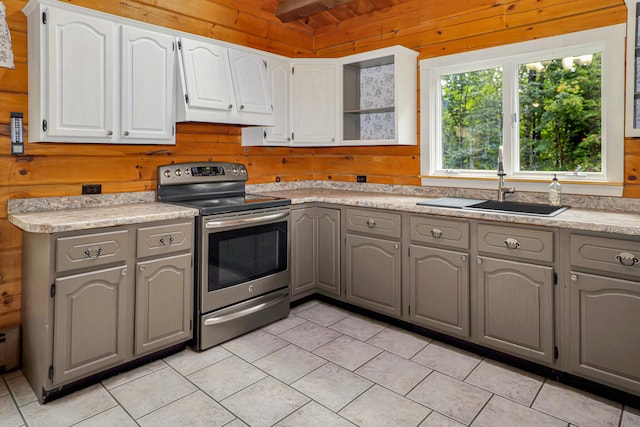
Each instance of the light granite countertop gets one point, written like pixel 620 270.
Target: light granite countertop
pixel 86 212
pixel 621 222
pixel 83 218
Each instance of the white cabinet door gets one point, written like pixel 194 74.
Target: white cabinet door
pixel 315 103
pixel 207 75
pixel 148 85
pixel 80 78
pixel 279 80
pixel 249 75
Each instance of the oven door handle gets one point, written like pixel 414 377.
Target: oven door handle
pixel 231 316
pixel 245 221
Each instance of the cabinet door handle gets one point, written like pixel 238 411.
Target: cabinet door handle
pixel 124 272
pixel 242 107
pixel 371 223
pixel 109 132
pixel 437 233
pixel 463 257
pixel 166 242
pixel 230 106
pixel 627 259
pixel 142 267
pixel 511 243
pixel 93 253
pixel 126 133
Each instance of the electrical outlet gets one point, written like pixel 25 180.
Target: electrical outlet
pixel 91 188
pixel 361 178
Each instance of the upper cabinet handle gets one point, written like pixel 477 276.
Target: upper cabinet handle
pixel 627 259
pixel 230 106
pixel 511 243
pixel 242 107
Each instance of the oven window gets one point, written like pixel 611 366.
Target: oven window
pixel 241 255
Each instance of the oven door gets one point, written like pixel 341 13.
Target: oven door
pixel 243 255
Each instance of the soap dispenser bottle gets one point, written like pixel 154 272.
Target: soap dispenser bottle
pixel 555 192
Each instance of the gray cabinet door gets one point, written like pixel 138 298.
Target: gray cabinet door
pixel 328 250
pixel 515 308
pixel 439 289
pixel 163 303
pixel 605 337
pixel 373 274
pixel 89 323
pixel 303 250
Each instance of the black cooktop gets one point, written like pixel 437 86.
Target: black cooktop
pixel 234 204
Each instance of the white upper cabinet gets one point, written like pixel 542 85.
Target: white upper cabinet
pixel 249 75
pixel 78 80
pixel 380 105
pixel 148 85
pixel 363 99
pixel 315 103
pixel 95 80
pixel 207 76
pixel 279 80
pixel 632 107
pixel 210 93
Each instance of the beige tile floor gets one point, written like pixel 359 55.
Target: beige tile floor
pixel 322 366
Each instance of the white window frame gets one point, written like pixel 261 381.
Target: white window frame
pixel 610 41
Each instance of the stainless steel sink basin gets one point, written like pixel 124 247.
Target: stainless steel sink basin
pixel 519 208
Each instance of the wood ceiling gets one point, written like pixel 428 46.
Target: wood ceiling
pixel 320 13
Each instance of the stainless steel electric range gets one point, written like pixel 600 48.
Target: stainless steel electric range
pixel 242 255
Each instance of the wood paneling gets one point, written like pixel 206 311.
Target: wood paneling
pixel 433 28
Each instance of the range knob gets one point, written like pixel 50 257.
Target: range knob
pixel 242 170
pixel 167 173
pixel 178 172
pixel 234 170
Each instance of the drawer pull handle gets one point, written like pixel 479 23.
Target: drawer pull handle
pixel 627 259
pixel 511 243
pixel 437 233
pixel 166 242
pixel 371 223
pixel 93 253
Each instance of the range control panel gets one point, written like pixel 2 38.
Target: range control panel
pixel 187 173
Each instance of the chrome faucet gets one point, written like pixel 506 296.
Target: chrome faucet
pixel 502 190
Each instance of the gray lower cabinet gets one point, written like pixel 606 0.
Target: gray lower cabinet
pixel 604 310
pixel 373 275
pixel 439 289
pixel 605 332
pixel 92 301
pixel 439 274
pixel 163 303
pixel 315 251
pixel 515 308
pixel 90 323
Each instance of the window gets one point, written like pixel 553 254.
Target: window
pixel 555 104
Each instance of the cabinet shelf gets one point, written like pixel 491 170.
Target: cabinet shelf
pixel 371 110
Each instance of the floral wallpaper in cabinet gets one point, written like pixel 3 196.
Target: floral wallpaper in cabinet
pixel 377 91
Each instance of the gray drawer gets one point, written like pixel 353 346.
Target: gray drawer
pixel 524 243
pixel 164 239
pixel 374 222
pixel 605 254
pixel 90 250
pixel 445 232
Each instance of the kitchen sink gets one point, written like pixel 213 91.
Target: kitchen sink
pixel 519 208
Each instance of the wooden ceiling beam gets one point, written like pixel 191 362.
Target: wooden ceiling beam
pixel 291 10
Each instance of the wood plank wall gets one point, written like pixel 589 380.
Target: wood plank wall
pixel 433 27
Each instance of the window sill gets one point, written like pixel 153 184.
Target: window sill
pixel 591 188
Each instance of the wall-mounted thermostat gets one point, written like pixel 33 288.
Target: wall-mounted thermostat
pixel 17 134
